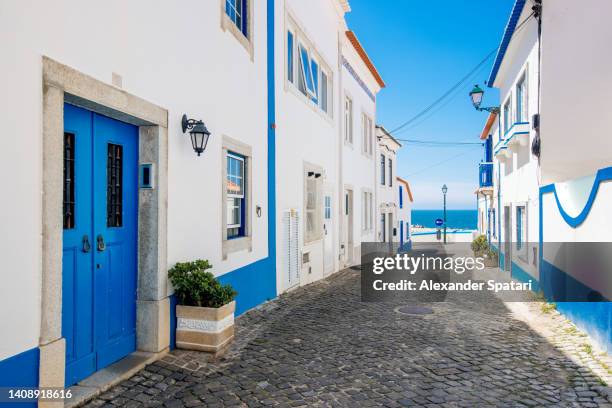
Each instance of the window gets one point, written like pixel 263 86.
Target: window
pixel 522 100
pixel 235 196
pixel 348 119
pixel 383 228
pixel 366 132
pixel 307 71
pixel 290 52
pixel 507 115
pixel 520 227
pixel 494 222
pixel 236 10
pixel 69 181
pixel 312 206
pixel 327 210
pixel 305 82
pixel 390 172
pixel 314 67
pixel 114 186
pixel 401 197
pixel 382 169
pixel 324 92
pixel 367 204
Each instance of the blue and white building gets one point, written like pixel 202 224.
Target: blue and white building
pixel 107 190
pixel 551 157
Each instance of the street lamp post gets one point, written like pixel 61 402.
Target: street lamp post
pixel 444 190
pixel 476 95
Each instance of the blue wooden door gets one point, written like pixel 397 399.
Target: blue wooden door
pixel 100 241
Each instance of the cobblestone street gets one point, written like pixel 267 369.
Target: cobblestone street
pixel 321 346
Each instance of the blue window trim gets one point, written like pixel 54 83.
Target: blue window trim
pixel 401 197
pixel 290 51
pixel 231 6
pixel 503 47
pixel 242 229
pixel 314 70
pixel 306 70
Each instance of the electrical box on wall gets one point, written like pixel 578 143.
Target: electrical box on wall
pixel 146 176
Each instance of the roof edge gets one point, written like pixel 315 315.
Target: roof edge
pixel 487 128
pixel 405 182
pixel 364 57
pixel 517 10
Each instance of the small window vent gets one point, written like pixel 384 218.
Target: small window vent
pixel 305 258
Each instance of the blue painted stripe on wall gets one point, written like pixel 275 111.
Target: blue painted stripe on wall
pixel 559 285
pixel 255 284
pixel 521 275
pixel 593 318
pixel 172 322
pixel 20 370
pixel 602 175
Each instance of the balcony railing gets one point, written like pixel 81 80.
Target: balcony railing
pixel 485 174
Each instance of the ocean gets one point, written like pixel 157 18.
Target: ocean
pixel 461 219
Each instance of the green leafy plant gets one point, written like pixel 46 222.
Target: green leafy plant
pixel 491 253
pixel 195 286
pixel 480 244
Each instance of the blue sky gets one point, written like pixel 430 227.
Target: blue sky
pixel 421 49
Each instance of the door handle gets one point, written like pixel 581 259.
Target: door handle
pixel 86 244
pixel 101 244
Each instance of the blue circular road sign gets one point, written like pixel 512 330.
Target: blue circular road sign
pixel 439 222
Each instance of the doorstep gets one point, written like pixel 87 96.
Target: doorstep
pixel 104 379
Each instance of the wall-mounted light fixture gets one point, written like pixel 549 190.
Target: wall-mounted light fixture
pixel 199 133
pixel 476 95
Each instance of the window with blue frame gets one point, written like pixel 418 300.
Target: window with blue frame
pixel 314 69
pixel 401 197
pixel 520 213
pixel 494 222
pixel 236 197
pixel 290 52
pixel 521 99
pixel 307 71
pixel 236 10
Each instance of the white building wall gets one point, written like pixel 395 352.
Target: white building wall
pixel 177 57
pixel 358 171
pixel 517 178
pixel 385 191
pixel 576 88
pixel 305 136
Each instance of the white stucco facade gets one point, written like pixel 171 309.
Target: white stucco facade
pixel 151 50
pixel 386 195
pixel 146 66
pixel 357 176
pixel 515 198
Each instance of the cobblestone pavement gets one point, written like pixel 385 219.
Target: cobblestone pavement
pixel 320 346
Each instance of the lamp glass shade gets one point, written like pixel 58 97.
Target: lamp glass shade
pixel 199 137
pixel 476 96
pixel 444 189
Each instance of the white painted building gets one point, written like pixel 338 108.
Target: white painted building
pixel 404 202
pixel 107 191
pixel 513 207
pixel 386 197
pixel 566 194
pixel 360 83
pixel 307 122
pixel 576 157
pixel 95 90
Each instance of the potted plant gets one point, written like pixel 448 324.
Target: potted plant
pixel 205 308
pixel 491 259
pixel 480 245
